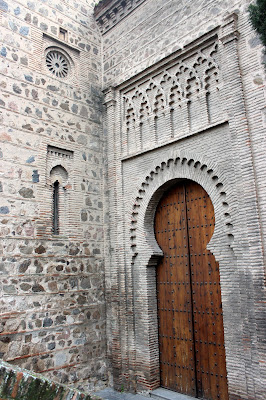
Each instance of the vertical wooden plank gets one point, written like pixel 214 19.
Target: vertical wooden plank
pixel 206 294
pixel 177 362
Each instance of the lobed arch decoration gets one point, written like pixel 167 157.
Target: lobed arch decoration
pixel 130 123
pixel 168 81
pixel 144 110
pixel 159 101
pixel 60 174
pixel 138 103
pixel 151 189
pixel 182 98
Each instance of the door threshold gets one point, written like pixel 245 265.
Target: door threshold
pixel 166 394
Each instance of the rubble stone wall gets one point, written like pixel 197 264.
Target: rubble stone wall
pixel 52 283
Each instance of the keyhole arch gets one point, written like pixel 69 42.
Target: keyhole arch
pixel 156 251
pixel 170 186
pixel 169 168
pixel 190 317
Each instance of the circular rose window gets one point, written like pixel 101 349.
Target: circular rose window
pixel 57 63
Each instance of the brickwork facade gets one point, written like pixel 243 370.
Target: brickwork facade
pixel 184 78
pixel 102 109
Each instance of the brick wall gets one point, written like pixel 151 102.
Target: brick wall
pixel 169 117
pixel 155 30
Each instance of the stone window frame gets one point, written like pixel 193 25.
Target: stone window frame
pixel 59 168
pixel 59 182
pixel 70 62
pixel 69 51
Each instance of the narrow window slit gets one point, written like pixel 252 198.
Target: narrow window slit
pixel 56 208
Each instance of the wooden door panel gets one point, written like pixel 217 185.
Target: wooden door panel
pixel 177 362
pixel 191 339
pixel 206 294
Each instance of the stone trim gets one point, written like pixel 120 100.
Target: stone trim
pixel 59 152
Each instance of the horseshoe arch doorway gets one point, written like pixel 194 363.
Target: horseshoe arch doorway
pixel 190 317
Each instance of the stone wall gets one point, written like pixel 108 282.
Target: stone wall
pixel 52 282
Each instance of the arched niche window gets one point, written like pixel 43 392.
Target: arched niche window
pixel 59 177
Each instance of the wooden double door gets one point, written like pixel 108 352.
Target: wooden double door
pixel 190 316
